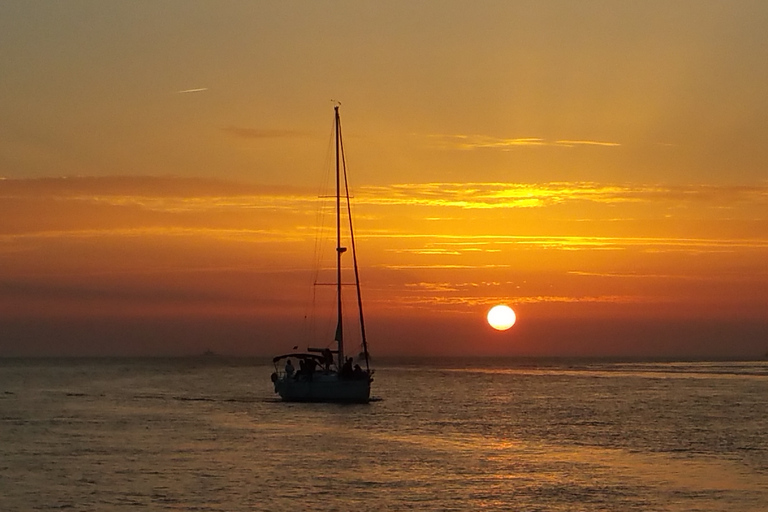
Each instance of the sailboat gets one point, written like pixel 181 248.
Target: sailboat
pixel 325 374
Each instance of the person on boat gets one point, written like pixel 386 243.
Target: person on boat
pixel 358 373
pixel 289 369
pixel 310 367
pixel 346 369
pixel 302 370
pixel 327 359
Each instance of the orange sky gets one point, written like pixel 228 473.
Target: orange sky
pixel 599 167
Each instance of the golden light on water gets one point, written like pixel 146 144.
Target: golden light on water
pixel 501 317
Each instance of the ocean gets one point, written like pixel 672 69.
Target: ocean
pixel 208 434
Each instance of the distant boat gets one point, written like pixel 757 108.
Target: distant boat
pixel 324 374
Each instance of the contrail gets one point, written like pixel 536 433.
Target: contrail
pixel 192 90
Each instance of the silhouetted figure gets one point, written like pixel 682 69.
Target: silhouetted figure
pixel 310 367
pixel 346 370
pixel 289 369
pixel 358 373
pixel 327 358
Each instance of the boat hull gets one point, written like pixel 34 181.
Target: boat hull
pixel 324 388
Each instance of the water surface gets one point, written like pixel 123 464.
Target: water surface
pixel 208 434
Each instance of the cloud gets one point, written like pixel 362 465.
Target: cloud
pixel 121 207
pixel 606 299
pixel 126 206
pixel 187 91
pixel 445 244
pixel 571 143
pixel 167 194
pixel 250 235
pixel 136 186
pixel 434 267
pixel 720 276
pixel 487 195
pixel 443 297
pixel 449 287
pixel 468 142
pixel 199 193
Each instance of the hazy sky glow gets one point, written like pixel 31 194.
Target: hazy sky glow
pixel 599 166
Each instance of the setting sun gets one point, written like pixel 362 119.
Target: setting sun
pixel 501 317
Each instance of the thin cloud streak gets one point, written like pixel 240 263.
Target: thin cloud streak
pixel 571 143
pixel 183 193
pixel 458 243
pixel 470 142
pixel 576 240
pixel 682 277
pixel 431 301
pixel 187 91
pixel 491 195
pixel 202 204
pixel 432 267
pixel 138 186
pixel 249 235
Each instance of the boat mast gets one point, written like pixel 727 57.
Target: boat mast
pixel 339 248
pixel 354 259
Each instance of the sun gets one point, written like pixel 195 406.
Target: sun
pixel 501 317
